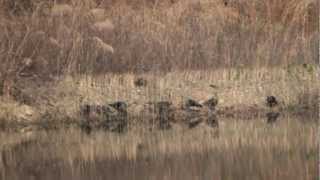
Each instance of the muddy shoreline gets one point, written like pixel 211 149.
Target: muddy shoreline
pixel 48 121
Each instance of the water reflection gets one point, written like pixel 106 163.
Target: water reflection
pixel 245 149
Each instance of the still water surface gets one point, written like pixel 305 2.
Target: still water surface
pixel 243 149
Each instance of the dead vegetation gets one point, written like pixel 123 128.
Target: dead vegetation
pixel 48 39
pixel 200 70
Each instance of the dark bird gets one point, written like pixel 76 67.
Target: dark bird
pixel 140 82
pixel 272 117
pixel 192 103
pixel 271 101
pixel 213 86
pixel 119 106
pixel 211 103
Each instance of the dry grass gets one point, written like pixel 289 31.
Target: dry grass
pixel 58 55
pixel 236 88
pixel 238 91
pixel 154 36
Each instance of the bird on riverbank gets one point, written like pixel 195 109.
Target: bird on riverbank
pixel 273 115
pixel 140 82
pixel 271 101
pixel 119 106
pixel 190 103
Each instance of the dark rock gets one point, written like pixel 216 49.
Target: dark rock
pixel 272 117
pixel 140 82
pixel 212 121
pixel 211 103
pixel 271 101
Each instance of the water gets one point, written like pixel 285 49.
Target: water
pixel 240 149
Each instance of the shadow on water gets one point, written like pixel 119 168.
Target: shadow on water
pixel 243 150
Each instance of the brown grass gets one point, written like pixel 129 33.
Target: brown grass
pixel 57 55
pixel 178 35
pixel 236 88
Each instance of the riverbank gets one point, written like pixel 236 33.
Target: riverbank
pixel 240 93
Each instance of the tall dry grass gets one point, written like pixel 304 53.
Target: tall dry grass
pixel 208 34
pixel 45 39
pixel 248 49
